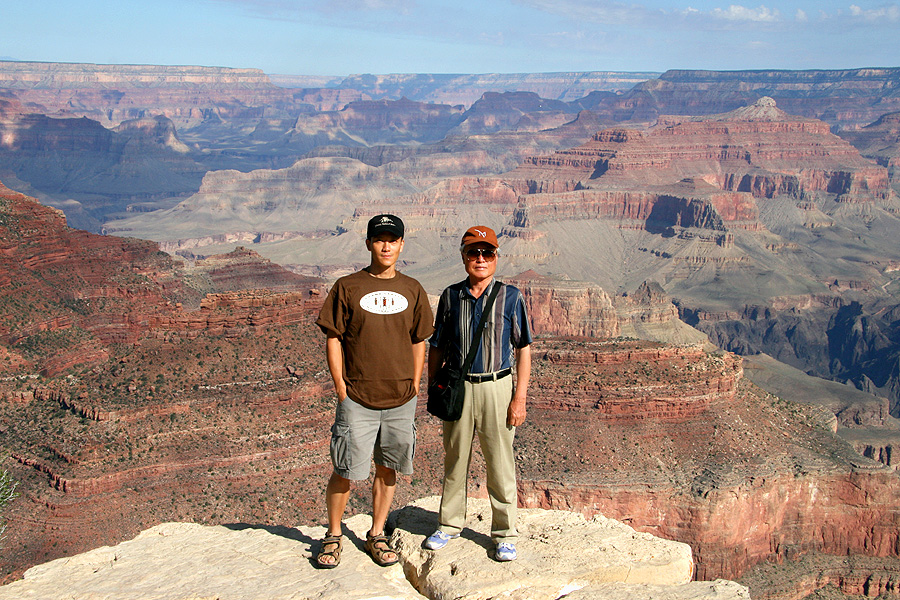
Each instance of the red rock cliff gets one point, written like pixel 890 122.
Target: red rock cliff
pixel 698 172
pixel 674 441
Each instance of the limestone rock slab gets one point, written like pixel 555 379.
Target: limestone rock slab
pixel 184 561
pixel 559 552
pixel 561 555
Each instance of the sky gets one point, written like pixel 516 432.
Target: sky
pixel 347 37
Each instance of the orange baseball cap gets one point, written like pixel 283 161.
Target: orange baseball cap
pixel 480 233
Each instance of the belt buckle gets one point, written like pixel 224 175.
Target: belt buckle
pixel 492 376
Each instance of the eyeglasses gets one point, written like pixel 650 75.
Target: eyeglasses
pixel 487 253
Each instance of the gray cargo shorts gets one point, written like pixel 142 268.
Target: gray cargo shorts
pixel 359 433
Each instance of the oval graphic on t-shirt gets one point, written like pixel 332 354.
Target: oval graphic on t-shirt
pixel 384 303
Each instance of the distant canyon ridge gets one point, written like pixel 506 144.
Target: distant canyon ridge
pixel 431 88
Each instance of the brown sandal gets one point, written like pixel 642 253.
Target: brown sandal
pixel 335 553
pixel 377 546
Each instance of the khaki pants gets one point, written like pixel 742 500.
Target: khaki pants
pixel 484 413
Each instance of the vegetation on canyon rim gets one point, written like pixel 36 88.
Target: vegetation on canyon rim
pixel 7 494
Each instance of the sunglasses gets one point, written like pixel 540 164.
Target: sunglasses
pixel 487 253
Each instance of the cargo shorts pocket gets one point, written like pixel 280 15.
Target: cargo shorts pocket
pixel 341 456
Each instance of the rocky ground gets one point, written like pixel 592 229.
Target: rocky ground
pixel 560 555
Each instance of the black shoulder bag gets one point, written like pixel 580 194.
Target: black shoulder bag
pixel 447 390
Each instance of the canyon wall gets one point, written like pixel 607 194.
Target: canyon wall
pixel 675 442
pixel 758 149
pixel 847 97
pixel 558 307
pixel 111 94
pixel 773 519
pixel 466 89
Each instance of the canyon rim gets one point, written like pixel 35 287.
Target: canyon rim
pixel 643 221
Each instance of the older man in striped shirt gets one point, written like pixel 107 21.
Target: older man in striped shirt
pixel 494 395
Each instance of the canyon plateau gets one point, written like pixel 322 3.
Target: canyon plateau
pixel 710 261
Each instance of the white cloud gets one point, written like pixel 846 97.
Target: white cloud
pixel 890 12
pixel 801 16
pixel 736 12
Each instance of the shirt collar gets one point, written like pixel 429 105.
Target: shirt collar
pixel 464 291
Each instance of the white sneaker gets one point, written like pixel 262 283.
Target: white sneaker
pixel 505 552
pixel 438 540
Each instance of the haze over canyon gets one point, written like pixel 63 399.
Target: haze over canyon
pixel 710 260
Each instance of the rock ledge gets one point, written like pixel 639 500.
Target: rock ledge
pixel 560 555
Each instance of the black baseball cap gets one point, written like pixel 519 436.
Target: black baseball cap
pixel 384 224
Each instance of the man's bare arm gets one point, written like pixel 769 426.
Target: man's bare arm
pixel 418 362
pixel 334 354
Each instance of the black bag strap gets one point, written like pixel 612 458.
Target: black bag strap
pixel 473 349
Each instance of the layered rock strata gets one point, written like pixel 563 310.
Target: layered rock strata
pixel 879 141
pixel 843 97
pixel 801 515
pixel 648 305
pixel 231 424
pixel 91 291
pixel 663 394
pixel 181 93
pixel 818 575
pixel 758 150
pixel 245 269
pixel 559 307
pixel 65 272
pixel 89 170
pixel 466 89
pixel 709 464
pixel 46 75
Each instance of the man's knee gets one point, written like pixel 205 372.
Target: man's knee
pixel 386 474
pixel 338 484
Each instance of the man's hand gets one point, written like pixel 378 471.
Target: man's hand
pixel 515 414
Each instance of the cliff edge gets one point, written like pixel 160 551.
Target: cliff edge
pixel 561 555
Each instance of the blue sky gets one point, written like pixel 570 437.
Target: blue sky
pixel 343 37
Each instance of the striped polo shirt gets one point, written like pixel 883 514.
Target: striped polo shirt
pixel 506 328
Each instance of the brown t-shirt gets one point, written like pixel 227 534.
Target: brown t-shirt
pixel 378 321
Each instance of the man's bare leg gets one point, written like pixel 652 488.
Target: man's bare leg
pixel 382 495
pixel 337 493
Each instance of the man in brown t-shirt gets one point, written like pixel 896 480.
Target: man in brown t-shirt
pixel 376 322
